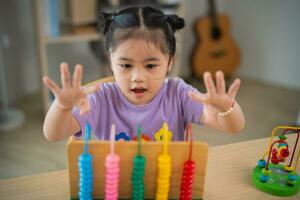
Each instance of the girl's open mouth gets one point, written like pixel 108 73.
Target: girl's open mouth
pixel 139 92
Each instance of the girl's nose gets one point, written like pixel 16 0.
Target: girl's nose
pixel 137 75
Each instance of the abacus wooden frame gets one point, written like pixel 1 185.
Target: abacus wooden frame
pixel 127 150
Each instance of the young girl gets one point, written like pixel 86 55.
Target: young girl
pixel 140 44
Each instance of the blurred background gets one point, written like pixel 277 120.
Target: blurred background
pixel 256 41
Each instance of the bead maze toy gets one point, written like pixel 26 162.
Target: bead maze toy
pixel 144 169
pixel 272 177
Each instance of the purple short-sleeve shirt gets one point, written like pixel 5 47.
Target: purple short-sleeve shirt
pixel 171 104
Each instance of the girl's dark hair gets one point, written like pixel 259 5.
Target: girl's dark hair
pixel 145 23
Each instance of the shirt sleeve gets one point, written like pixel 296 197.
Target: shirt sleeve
pixel 89 117
pixel 191 109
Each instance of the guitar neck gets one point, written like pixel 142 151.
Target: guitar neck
pixel 212 12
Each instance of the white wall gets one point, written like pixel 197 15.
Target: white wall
pixel 267 32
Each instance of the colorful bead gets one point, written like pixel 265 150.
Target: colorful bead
pixel 144 138
pixel 282 137
pixel 266 172
pixel 137 177
pixel 292 177
pixel 282 145
pixel 159 136
pixel 122 136
pixel 274 152
pixel 284 152
pixel 263 178
pixel 275 160
pixel 262 163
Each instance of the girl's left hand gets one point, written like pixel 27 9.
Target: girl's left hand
pixel 216 99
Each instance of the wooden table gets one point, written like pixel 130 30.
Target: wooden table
pixel 228 177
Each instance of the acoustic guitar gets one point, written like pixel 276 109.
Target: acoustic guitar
pixel 215 49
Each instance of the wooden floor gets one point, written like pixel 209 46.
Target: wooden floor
pixel 25 151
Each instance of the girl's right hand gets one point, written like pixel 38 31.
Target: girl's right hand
pixel 72 93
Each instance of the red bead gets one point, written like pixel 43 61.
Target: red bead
pixel 274 160
pixel 284 152
pixel 274 152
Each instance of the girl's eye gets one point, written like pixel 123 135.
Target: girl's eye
pixel 151 66
pixel 125 66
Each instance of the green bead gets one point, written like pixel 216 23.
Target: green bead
pixel 137 175
pixel 138 192
pixel 139 159
pixel 138 168
pixel 138 185
pixel 282 137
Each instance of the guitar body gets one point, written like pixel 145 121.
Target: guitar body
pixel 214 51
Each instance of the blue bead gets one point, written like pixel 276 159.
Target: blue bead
pixel 122 135
pixel 85 157
pixel 262 163
pixel 282 145
pixel 292 177
pixel 263 178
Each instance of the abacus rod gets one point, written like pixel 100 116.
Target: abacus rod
pixel 191 142
pixel 112 138
pixel 166 138
pixel 139 139
pixel 87 136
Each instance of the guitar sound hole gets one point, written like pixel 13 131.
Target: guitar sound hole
pixel 215 33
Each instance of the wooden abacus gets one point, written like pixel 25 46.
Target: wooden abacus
pixel 179 152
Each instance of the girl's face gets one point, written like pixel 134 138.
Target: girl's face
pixel 139 69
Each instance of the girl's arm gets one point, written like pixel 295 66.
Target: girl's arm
pixel 59 122
pixel 221 111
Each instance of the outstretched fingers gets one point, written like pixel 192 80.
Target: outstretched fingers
pixel 77 76
pixel 51 85
pixel 65 76
pixel 209 83
pixel 221 88
pixel 233 89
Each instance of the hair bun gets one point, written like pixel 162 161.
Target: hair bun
pixel 104 21
pixel 176 22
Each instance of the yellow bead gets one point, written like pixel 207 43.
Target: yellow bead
pixel 163 181
pixel 163 158
pixel 266 172
pixel 164 175
pixel 288 169
pixel 161 196
pixel 163 191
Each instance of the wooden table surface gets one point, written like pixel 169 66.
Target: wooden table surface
pixel 228 176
